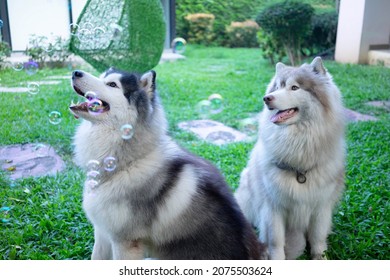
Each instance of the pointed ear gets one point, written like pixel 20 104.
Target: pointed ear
pixel 318 66
pixel 279 67
pixel 148 82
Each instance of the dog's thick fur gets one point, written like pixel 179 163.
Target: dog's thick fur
pixel 161 201
pixel 295 174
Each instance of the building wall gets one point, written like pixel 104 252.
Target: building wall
pixel 362 23
pixel 51 18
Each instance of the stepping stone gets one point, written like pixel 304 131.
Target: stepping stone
pixel 213 132
pixel 353 116
pixel 25 160
pixel 381 104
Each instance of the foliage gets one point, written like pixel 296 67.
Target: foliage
pixel 271 48
pixel 5 51
pixel 46 220
pixel 200 28
pixel 288 23
pixel 242 34
pixel 129 34
pixel 323 35
pixel 45 52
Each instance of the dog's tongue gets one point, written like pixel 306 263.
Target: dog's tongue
pixel 282 116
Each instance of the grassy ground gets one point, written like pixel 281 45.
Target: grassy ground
pixel 46 221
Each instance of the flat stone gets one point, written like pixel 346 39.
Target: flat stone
pixel 381 104
pixel 213 132
pixel 25 160
pixel 353 116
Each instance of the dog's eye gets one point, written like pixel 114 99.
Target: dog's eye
pixel 294 88
pixel 112 84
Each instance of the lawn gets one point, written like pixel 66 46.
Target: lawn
pixel 45 219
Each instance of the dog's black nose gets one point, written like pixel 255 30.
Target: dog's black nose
pixel 77 74
pixel 268 98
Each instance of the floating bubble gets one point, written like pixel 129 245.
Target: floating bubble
pixel 178 45
pixel 109 164
pixel 127 131
pixel 40 150
pixel 73 28
pixel 31 67
pixel 99 32
pixel 18 66
pixel 84 35
pixel 93 179
pixel 55 117
pixel 216 103
pixel 90 95
pixel 33 88
pixel 249 127
pixel 95 106
pixel 88 25
pixel 93 165
pixel 203 108
pixel 116 29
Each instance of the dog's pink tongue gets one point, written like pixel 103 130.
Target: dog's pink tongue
pixel 281 116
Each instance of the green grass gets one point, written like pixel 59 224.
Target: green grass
pixel 46 220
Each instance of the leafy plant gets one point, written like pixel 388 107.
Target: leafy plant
pixel 288 23
pixel 242 34
pixel 200 28
pixel 5 52
pixel 48 52
pixel 271 49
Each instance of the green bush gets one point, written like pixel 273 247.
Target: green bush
pixel 242 34
pixel 323 35
pixel 200 28
pixel 51 53
pixel 5 51
pixel 288 23
pixel 225 12
pixel 271 49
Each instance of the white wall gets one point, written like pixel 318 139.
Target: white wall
pixel 362 23
pixel 40 17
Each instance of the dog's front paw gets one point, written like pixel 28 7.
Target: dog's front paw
pixel 319 257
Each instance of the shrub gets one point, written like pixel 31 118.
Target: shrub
pixel 45 52
pixel 288 23
pixel 225 12
pixel 200 28
pixel 271 49
pixel 242 34
pixel 5 51
pixel 323 35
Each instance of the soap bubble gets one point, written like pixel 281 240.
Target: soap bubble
pixel 33 88
pixel 98 32
pixel 127 131
pixel 95 106
pixel 73 28
pixel 249 127
pixel 109 164
pixel 18 66
pixel 55 117
pixel 93 179
pixel 116 29
pixel 84 35
pixel 91 184
pixel 40 150
pixel 216 103
pixel 93 165
pixel 88 25
pixel 203 108
pixel 178 45
pixel 90 95
pixel 31 67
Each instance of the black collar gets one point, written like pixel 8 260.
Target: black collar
pixel 300 174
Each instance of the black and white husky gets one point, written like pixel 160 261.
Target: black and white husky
pixel 160 201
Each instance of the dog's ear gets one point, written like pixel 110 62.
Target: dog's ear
pixel 148 82
pixel 318 66
pixel 279 67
